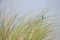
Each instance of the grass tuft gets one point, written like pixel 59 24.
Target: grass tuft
pixel 35 29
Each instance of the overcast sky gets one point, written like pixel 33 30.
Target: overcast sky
pixel 25 7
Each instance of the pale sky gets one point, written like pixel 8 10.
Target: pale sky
pixel 25 7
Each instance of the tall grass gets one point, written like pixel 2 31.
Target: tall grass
pixel 31 29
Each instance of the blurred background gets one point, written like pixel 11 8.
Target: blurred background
pixel 30 8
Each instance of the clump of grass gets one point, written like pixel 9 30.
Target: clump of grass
pixel 35 29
